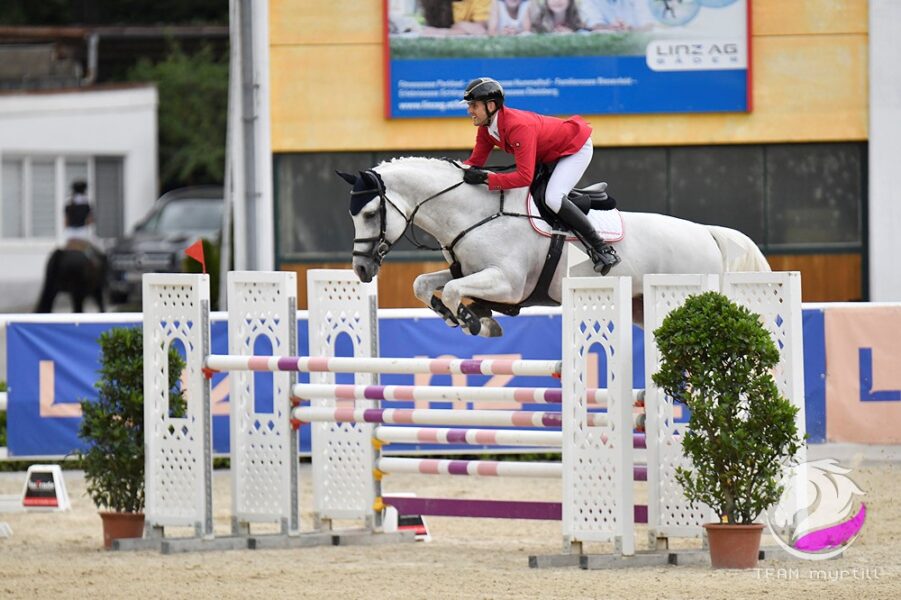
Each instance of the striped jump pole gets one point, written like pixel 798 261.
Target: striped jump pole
pixel 427 416
pixel 490 509
pixel 382 365
pixel 419 393
pixel 482 468
pixel 479 437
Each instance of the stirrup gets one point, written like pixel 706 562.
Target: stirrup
pixel 604 259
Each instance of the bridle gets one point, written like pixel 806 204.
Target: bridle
pixel 380 244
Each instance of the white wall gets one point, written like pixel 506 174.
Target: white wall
pixel 118 121
pixel 885 150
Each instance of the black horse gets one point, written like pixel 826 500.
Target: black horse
pixel 80 273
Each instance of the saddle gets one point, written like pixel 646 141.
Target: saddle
pixel 593 197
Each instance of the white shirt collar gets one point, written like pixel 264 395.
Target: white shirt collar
pixel 492 126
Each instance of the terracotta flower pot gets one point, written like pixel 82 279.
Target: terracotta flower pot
pixel 119 525
pixel 734 546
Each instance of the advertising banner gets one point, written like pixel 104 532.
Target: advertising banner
pixel 566 57
pixel 863 382
pixel 52 366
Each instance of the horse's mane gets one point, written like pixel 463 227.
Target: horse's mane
pixel 422 162
pixel 421 169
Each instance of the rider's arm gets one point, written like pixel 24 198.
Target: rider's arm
pixel 524 142
pixel 482 149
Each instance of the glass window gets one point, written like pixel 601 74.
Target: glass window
pixel 719 185
pixel 43 198
pixel 202 217
pixel 636 177
pixel 814 194
pixel 11 225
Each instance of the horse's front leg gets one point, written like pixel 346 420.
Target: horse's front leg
pixel 424 288
pixel 490 284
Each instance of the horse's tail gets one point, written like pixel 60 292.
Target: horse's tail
pixel 740 253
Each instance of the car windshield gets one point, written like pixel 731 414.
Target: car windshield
pixel 187 216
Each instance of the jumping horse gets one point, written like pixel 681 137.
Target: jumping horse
pixel 496 257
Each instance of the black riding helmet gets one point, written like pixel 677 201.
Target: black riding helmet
pixel 484 89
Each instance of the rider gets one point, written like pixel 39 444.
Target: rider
pixel 533 139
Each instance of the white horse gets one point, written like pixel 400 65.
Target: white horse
pixel 501 256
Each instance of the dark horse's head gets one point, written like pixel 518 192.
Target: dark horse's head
pixel 378 222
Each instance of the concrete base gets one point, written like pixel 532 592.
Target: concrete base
pixel 364 537
pixel 130 544
pixel 180 545
pixel 304 540
pixel 553 561
pixel 615 561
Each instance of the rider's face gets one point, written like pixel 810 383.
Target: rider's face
pixel 478 112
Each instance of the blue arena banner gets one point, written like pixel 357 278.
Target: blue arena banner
pixel 601 57
pixel 52 366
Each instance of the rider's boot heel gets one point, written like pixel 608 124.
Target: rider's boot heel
pixel 602 254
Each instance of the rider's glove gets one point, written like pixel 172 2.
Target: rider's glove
pixel 475 176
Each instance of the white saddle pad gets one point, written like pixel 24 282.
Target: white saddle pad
pixel 608 223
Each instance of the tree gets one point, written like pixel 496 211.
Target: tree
pixel 193 103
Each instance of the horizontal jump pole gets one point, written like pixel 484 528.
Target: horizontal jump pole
pixel 482 468
pixel 440 417
pixel 423 393
pixel 436 366
pixel 479 437
pixel 488 509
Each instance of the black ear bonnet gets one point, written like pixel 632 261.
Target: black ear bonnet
pixel 368 186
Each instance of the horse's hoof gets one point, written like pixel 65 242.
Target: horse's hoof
pixel 490 328
pixel 471 323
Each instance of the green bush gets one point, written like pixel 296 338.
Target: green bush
pixel 113 425
pixel 717 358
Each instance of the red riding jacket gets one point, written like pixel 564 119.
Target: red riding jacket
pixel 532 139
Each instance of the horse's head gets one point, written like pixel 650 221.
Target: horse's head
pixel 378 222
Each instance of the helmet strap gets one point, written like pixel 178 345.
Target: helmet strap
pixel 491 113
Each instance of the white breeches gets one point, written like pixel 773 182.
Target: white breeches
pixel 566 175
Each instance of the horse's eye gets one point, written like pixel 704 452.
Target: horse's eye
pixel 369 215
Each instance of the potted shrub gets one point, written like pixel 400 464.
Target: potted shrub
pixel 717 359
pixel 113 427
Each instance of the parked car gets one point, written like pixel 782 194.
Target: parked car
pixel 177 220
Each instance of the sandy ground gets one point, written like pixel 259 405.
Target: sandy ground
pixel 61 555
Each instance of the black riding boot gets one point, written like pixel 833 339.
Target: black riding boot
pixel 602 254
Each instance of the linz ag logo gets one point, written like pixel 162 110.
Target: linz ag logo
pixel 685 55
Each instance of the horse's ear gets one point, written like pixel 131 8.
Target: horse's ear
pixel 348 177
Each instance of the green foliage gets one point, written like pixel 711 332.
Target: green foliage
pixel 717 358
pixel 211 254
pixel 112 12
pixel 514 46
pixel 193 103
pixel 113 425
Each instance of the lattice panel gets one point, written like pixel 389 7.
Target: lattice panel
pixel 776 297
pixel 263 444
pixel 597 485
pixel 669 512
pixel 178 473
pixel 343 485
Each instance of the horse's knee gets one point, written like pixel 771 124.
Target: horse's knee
pixel 422 289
